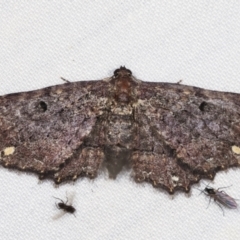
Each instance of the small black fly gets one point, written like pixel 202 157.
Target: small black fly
pixel 63 205
pixel 66 207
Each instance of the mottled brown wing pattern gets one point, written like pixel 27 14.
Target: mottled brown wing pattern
pixel 169 134
pixel 43 130
pixel 194 132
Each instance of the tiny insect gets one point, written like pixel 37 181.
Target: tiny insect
pixel 63 205
pixel 220 197
pixel 66 207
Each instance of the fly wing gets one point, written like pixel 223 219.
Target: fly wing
pixel 226 200
pixel 59 215
pixel 70 197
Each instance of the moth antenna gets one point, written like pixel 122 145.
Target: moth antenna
pixel 65 80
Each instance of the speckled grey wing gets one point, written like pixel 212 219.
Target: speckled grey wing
pixel 192 133
pixel 43 130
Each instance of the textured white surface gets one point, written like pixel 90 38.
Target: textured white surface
pixel 40 41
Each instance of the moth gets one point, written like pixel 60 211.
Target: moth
pixel 170 135
pixel 220 197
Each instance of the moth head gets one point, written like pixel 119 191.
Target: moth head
pixel 122 72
